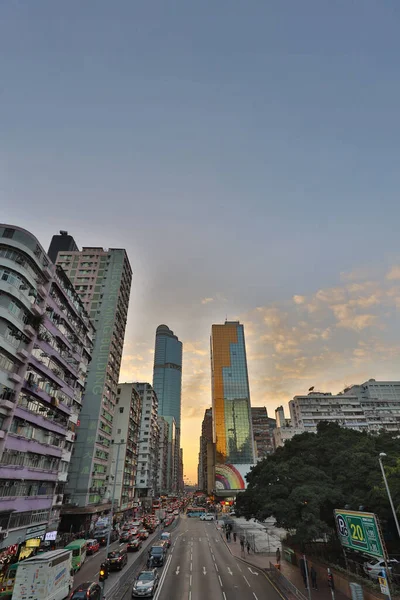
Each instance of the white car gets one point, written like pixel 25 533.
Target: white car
pixel 374 567
pixel 207 517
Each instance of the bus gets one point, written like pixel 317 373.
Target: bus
pixel 78 549
pixel 7 585
pixel 195 511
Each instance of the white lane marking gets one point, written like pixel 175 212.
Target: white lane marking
pixel 177 570
pixel 246 580
pixel 255 596
pixel 199 539
pixel 229 571
pixel 204 571
pixel 191 567
pixel 238 566
pixel 162 578
pixel 223 593
pixel 220 581
pixel 253 572
pixel 190 594
pixel 97 573
pixel 190 579
pixel 183 540
pixel 216 566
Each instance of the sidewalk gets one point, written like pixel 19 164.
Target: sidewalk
pixel 289 571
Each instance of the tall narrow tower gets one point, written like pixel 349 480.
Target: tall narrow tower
pixel 167 383
pixel 232 429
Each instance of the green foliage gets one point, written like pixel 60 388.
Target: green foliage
pixel 303 482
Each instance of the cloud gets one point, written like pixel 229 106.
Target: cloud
pixel 207 300
pixel 299 299
pixel 394 273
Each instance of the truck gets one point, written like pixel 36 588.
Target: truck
pixel 47 576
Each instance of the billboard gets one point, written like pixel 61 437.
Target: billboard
pixel 360 531
pixel 231 477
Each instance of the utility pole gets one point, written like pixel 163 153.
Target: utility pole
pixel 119 444
pixel 382 455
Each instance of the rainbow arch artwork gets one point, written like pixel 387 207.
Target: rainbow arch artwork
pixel 227 477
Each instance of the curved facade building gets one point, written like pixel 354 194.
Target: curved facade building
pixel 167 373
pixel 45 345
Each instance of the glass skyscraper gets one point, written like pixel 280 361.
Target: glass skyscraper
pixel 232 429
pixel 167 383
pixel 167 373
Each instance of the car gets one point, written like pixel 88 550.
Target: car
pixel 207 517
pixel 373 568
pixel 157 554
pixel 176 512
pixel 92 546
pixel 89 590
pixel 145 584
pixel 125 536
pixel 117 559
pixel 166 537
pixel 134 544
pixel 143 534
pixel 102 537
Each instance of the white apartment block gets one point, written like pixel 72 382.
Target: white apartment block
pixel 147 468
pixel 370 406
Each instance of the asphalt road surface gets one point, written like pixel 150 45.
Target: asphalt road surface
pixel 91 566
pixel 199 566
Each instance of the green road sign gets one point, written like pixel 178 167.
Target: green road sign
pixel 359 531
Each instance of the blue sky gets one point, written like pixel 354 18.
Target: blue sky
pixel 243 152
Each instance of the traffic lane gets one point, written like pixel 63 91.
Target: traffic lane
pixel 237 575
pixel 91 566
pixel 207 582
pixel 141 565
pixel 176 576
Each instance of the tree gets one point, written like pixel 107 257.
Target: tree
pixel 303 482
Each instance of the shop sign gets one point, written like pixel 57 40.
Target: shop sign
pixel 50 536
pixel 35 532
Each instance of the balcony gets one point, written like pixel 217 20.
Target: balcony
pixel 15 377
pixel 23 353
pixel 29 331
pixel 6 404
pixel 42 291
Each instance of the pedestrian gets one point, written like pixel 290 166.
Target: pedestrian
pixel 227 535
pixel 248 547
pixel 278 556
pixel 242 543
pixel 234 536
pixel 313 574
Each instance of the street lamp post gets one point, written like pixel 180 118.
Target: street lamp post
pixel 382 455
pixel 119 444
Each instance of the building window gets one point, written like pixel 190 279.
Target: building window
pixel 8 232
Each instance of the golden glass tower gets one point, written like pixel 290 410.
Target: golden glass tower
pixel 232 430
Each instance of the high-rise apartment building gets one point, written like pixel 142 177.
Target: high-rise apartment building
pixel 125 446
pixel 263 428
pixel 167 383
pixel 102 278
pixel 46 340
pixel 162 472
pixel 147 471
pixel 232 428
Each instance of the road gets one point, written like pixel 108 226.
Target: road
pixel 91 566
pixel 200 567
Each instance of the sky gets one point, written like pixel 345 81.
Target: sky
pixel 245 153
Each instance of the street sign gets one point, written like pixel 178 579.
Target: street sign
pixel 384 585
pixel 359 531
